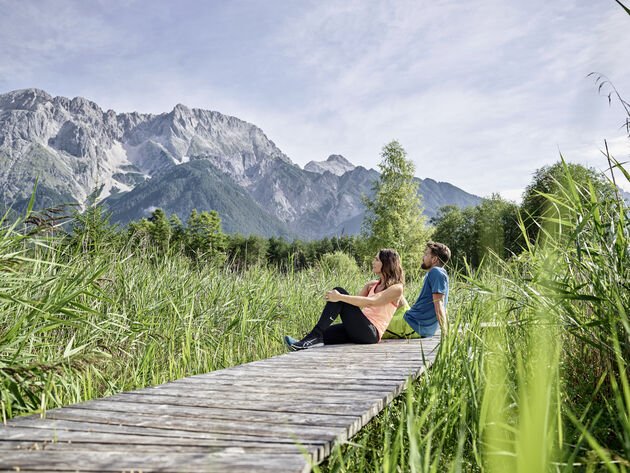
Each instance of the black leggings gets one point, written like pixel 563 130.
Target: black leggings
pixel 355 327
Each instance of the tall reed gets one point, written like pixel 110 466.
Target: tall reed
pixel 542 386
pixel 78 324
pixel 534 376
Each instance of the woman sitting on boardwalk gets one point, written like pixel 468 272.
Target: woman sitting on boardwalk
pixel 379 300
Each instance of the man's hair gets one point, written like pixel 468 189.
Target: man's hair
pixel 440 250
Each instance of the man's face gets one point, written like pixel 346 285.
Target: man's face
pixel 428 260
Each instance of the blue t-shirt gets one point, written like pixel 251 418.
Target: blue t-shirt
pixel 422 317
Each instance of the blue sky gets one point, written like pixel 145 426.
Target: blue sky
pixel 480 93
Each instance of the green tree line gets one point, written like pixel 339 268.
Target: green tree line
pixel 394 218
pixel 505 228
pixel 201 238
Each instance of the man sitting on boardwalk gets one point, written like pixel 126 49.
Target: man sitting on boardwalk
pixel 429 311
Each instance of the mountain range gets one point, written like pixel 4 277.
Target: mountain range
pixel 178 161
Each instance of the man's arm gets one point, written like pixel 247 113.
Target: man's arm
pixel 440 311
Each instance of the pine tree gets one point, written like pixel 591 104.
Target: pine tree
pixel 91 229
pixel 160 230
pixel 204 234
pixel 393 216
pixel 178 233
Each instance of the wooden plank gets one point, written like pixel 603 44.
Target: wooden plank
pixel 338 359
pixel 384 371
pixel 283 378
pixel 98 445
pixel 208 411
pixel 250 394
pixel 350 363
pixel 46 429
pixel 346 354
pixel 243 418
pixel 216 404
pixel 354 369
pixel 306 432
pixel 175 462
pixel 344 351
pixel 336 400
pixel 289 384
pixel 277 406
pixel 215 401
pixel 117 437
pixel 258 417
pixel 25 434
pixel 366 374
pixel 86 448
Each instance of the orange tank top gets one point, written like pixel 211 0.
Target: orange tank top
pixel 380 315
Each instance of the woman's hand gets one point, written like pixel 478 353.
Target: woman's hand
pixel 333 296
pixel 391 294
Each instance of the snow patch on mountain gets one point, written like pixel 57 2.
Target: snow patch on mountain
pixel 114 164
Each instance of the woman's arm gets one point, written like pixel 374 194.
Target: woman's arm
pixel 391 294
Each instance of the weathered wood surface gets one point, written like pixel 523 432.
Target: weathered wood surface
pixel 280 414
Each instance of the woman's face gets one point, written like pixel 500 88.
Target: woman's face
pixel 376 265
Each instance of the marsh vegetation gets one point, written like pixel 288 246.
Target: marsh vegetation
pixel 544 388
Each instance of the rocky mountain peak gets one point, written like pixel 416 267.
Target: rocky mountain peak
pixel 335 164
pixel 181 109
pixel 76 146
pixel 79 104
pixel 23 99
pixel 337 158
pixel 179 160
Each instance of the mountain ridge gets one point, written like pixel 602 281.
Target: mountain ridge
pixel 74 147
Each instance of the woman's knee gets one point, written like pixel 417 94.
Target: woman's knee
pixel 341 290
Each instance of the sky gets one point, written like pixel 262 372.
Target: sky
pixel 480 93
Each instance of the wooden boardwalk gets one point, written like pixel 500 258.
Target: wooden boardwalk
pixel 269 415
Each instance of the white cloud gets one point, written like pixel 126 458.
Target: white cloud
pixel 515 195
pixel 479 96
pixel 479 93
pixel 592 154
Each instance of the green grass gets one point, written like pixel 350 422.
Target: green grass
pixel 544 387
pixel 79 325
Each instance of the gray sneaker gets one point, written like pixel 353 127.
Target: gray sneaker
pixel 310 341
